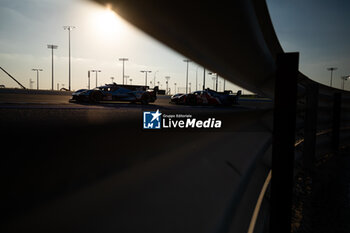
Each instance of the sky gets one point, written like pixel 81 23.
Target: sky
pixel 319 30
pixel 98 40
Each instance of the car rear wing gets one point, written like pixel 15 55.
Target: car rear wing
pixel 135 87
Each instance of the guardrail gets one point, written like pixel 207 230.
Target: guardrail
pixel 310 121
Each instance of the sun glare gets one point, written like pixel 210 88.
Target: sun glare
pixel 107 22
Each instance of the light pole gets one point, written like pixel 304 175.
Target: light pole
pixel 145 71
pixel 196 79
pixel 203 78
pixel 130 81
pixel 344 78
pixel 126 78
pixel 154 78
pixel 31 83
pixel 213 77
pixel 175 88
pixel 52 47
pixel 217 79
pixel 69 28
pixel 331 69
pixel 96 71
pixel 167 81
pixel 187 61
pixel 89 79
pixel 37 77
pixel 112 78
pixel 123 59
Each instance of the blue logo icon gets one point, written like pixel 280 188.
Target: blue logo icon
pixel 151 120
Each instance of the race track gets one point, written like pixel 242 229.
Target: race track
pixel 21 109
pixel 67 166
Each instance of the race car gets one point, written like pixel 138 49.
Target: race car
pixel 178 98
pixel 115 92
pixel 206 97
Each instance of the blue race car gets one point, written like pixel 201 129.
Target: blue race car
pixel 115 92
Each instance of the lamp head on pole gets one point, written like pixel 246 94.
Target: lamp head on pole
pixel 332 68
pixel 51 46
pixel 69 28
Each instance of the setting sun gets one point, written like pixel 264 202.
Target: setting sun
pixel 107 22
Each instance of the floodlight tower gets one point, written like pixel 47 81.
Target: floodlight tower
pixel 123 59
pixel 154 78
pixel 197 78
pixel 344 78
pixel 126 79
pixel 96 71
pixel 167 81
pixel 69 28
pixel 213 77
pixel 31 83
pixel 187 61
pixel 203 78
pixel 145 71
pixel 37 77
pixel 217 79
pixel 331 69
pixel 52 47
pixel 89 79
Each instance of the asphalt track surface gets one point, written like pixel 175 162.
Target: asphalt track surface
pixel 69 167
pixel 21 109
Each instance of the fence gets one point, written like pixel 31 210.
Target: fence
pixel 310 121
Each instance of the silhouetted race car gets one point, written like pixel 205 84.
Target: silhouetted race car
pixel 206 97
pixel 115 92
